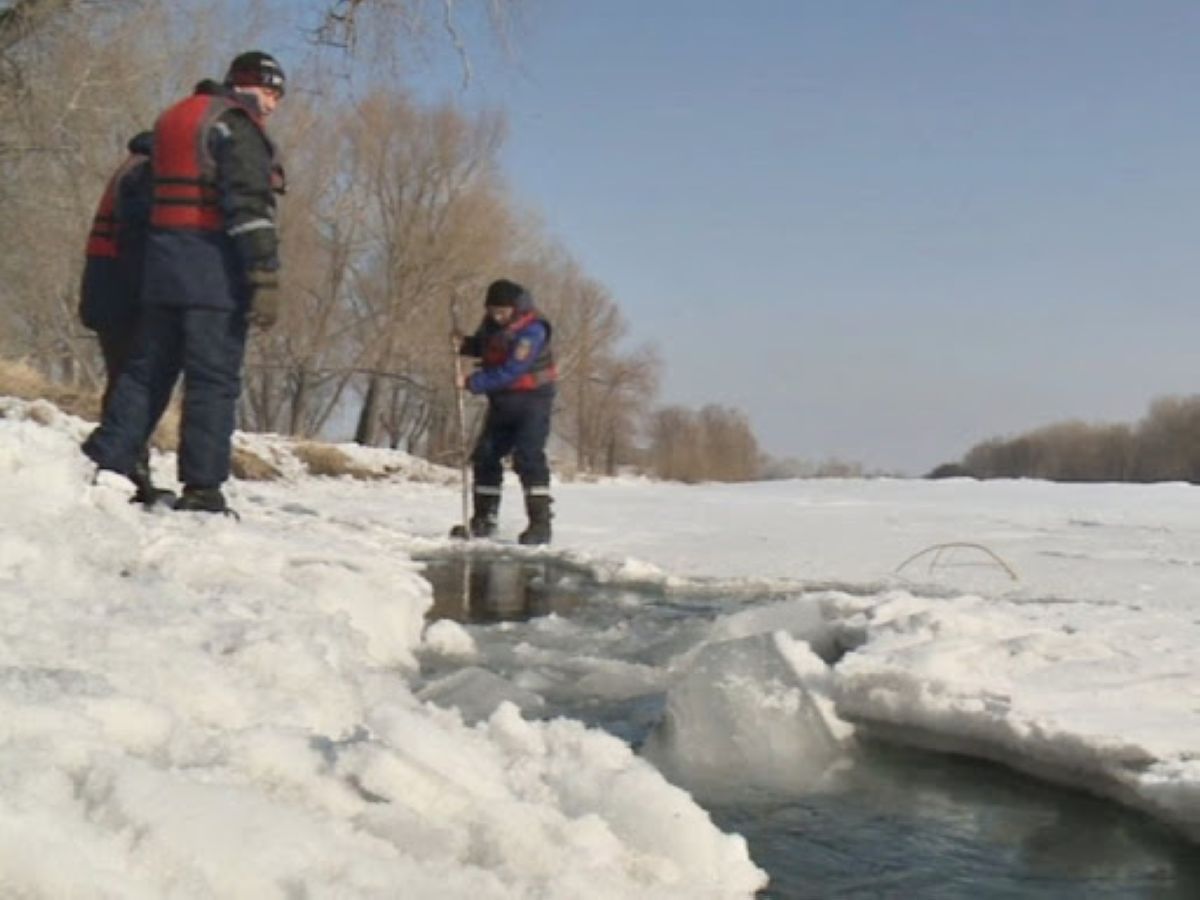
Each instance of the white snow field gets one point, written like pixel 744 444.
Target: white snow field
pixel 194 706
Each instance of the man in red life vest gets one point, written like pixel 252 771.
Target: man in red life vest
pixel 211 271
pixel 517 374
pixel 109 296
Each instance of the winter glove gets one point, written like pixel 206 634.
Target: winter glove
pixel 468 344
pixel 264 298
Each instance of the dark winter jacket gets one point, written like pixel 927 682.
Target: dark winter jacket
pixel 112 271
pixel 213 218
pixel 516 357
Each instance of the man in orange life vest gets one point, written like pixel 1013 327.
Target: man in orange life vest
pixel 211 271
pixel 109 296
pixel 517 374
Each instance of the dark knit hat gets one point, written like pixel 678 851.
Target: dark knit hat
pixel 255 69
pixel 503 293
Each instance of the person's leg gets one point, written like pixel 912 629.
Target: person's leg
pixel 118 346
pixel 213 350
pixel 494 444
pixel 141 391
pixel 532 466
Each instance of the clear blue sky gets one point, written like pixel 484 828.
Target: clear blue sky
pixel 886 229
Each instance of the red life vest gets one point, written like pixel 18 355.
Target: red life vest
pixel 185 173
pixel 104 238
pixel 499 345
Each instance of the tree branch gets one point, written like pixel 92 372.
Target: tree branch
pixel 23 17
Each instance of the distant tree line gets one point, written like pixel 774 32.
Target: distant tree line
pixel 715 443
pixel 775 469
pixel 1163 446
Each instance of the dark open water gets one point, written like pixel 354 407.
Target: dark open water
pixel 894 822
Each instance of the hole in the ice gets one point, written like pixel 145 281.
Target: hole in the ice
pixel 480 590
pixel 885 820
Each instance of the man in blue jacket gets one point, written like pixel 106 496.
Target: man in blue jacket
pixel 517 374
pixel 211 271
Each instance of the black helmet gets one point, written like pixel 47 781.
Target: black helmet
pixel 255 69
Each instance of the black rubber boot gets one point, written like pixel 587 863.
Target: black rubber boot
pixel 147 494
pixel 202 499
pixel 483 519
pixel 537 507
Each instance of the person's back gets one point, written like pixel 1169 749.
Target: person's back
pixel 109 296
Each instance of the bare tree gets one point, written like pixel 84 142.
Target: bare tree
pixel 714 444
pixel 588 325
pixel 80 81
pixel 625 387
pixel 22 18
pixel 730 447
pixel 1168 441
pixel 82 91
pixel 433 217
pixel 399 210
pixel 299 373
pixel 343 23
pixel 674 451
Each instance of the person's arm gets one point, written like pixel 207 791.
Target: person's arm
pixel 528 345
pixel 135 200
pixel 472 344
pixel 247 201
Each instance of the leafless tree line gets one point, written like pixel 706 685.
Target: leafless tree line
pixel 1163 446
pixel 395 219
pixel 715 443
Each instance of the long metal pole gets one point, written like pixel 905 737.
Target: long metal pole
pixel 462 422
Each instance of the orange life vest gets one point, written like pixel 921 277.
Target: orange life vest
pixel 104 238
pixel 185 173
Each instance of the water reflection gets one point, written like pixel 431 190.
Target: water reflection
pixel 481 590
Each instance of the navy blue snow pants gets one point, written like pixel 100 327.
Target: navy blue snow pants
pixel 207 346
pixel 517 422
pixel 117 344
